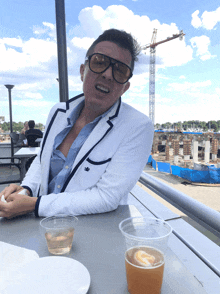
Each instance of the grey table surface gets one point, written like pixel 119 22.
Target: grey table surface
pixel 99 245
pixel 24 153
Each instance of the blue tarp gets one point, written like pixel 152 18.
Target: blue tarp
pixel 154 163
pixel 214 175
pixel 163 167
pixel 175 170
pixel 149 159
pixel 211 176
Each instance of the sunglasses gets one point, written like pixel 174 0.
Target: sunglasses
pixel 99 63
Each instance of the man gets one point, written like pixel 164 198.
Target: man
pixel 94 146
pixel 32 134
pixel 32 130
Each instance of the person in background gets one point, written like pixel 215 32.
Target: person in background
pixel 25 128
pixel 94 147
pixel 32 130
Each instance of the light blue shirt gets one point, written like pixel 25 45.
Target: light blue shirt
pixel 60 166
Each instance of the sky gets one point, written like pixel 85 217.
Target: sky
pixel 187 77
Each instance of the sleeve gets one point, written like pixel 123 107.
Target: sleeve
pixel 121 175
pixel 32 178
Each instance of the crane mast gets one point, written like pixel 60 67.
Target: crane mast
pixel 152 47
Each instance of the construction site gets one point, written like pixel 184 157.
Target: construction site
pixel 187 150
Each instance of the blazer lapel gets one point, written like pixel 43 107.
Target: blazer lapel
pixel 99 132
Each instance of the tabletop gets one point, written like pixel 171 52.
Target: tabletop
pixel 27 152
pixel 99 246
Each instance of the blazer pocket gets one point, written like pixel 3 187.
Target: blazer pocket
pixel 98 162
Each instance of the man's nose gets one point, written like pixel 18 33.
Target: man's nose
pixel 108 73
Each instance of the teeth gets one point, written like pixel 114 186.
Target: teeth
pixel 102 89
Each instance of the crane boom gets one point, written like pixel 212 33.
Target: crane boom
pixel 153 44
pixel 152 47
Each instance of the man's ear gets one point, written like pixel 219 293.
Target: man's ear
pixel 82 68
pixel 127 86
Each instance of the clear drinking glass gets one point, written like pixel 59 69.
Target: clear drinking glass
pixel 146 242
pixel 58 231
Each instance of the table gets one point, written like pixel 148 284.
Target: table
pixel 38 140
pixel 99 245
pixel 24 153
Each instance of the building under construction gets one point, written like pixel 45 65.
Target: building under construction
pixel 187 152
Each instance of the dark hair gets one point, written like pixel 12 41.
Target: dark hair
pixel 120 38
pixel 31 124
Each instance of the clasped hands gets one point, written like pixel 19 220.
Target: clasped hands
pixel 16 204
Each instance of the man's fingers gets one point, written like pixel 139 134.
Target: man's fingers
pixel 10 189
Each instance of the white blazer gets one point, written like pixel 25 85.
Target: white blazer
pixel 106 168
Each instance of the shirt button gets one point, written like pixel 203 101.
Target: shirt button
pixel 66 166
pixel 58 186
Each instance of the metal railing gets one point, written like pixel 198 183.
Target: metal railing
pixel 201 213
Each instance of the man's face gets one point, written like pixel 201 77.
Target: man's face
pixel 101 90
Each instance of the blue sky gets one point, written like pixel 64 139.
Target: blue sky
pixel 187 71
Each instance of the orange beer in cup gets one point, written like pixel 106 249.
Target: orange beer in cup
pixel 146 242
pixel 144 270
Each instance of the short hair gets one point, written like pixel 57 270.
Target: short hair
pixel 120 38
pixel 31 124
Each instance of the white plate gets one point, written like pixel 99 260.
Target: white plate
pixel 53 274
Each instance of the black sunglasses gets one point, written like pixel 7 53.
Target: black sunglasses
pixel 99 63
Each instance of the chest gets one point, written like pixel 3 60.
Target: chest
pixel 70 138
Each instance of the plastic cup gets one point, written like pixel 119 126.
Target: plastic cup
pixel 58 231
pixel 146 242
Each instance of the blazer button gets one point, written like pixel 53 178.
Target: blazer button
pixel 87 168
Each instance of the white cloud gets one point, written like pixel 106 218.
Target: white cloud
pixel 94 20
pixel 47 28
pixel 32 64
pixel 182 77
pixel 198 109
pixel 82 43
pixel 187 86
pixel 202 44
pixel 208 19
pixel 196 21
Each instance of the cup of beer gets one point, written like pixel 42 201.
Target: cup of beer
pixel 146 243
pixel 58 231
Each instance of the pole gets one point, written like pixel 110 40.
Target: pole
pixel 9 87
pixel 61 50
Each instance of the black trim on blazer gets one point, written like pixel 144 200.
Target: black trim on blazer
pixel 81 161
pixel 29 189
pixel 37 206
pixel 86 155
pixel 54 116
pixel 98 162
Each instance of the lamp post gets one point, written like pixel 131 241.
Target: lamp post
pixel 9 87
pixel 61 50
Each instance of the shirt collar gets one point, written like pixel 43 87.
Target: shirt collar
pixel 76 112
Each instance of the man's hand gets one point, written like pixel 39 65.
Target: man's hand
pixel 16 204
pixel 11 189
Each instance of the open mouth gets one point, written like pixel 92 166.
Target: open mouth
pixel 102 89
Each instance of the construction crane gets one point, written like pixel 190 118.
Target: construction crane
pixel 152 47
